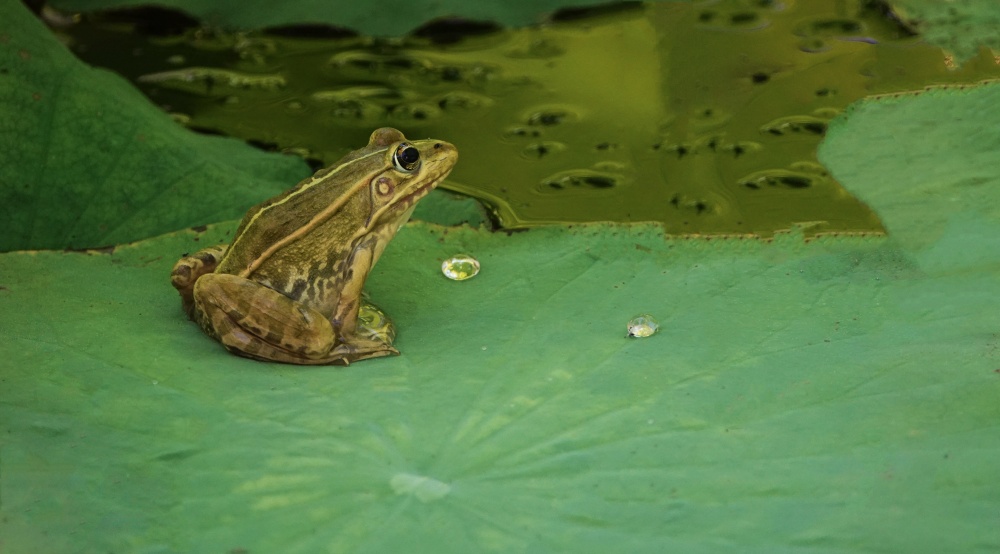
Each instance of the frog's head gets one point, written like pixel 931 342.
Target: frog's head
pixel 354 206
pixel 409 171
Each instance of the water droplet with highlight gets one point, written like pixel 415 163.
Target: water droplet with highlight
pixel 642 326
pixel 460 268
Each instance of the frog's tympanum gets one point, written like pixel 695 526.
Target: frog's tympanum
pixel 288 287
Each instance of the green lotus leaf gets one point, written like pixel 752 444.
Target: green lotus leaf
pixel 88 161
pixel 837 394
pixel 962 27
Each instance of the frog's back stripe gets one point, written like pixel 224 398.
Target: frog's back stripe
pixel 312 223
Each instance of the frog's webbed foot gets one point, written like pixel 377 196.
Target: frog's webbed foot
pixel 255 321
pixel 188 269
pixel 359 348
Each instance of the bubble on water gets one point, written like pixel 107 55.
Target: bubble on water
pixel 416 111
pixel 460 100
pixel 518 132
pixel 642 326
pixel 538 150
pixel 577 180
pixel 782 178
pixel 549 116
pixel 460 268
pixel 796 124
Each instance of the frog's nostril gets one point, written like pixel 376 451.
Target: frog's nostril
pixel 437 145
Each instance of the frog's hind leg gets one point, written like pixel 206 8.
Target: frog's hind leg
pixel 255 321
pixel 188 269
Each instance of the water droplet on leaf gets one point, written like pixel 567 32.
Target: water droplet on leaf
pixel 460 268
pixel 642 326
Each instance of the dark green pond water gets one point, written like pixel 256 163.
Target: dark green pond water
pixel 702 117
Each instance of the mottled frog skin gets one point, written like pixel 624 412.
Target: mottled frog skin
pixel 288 288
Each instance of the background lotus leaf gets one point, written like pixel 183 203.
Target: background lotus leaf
pixel 384 18
pixel 960 26
pixel 84 148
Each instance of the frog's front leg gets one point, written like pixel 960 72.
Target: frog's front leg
pixel 188 269
pixel 252 320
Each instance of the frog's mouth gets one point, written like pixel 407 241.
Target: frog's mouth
pixel 407 202
pixel 398 213
pixel 412 198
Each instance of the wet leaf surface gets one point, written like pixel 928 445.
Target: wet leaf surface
pixel 835 394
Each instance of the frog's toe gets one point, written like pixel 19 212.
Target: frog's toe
pixel 360 348
pixel 189 269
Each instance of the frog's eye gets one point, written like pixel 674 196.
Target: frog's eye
pixel 406 158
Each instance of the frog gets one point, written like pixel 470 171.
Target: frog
pixel 289 286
